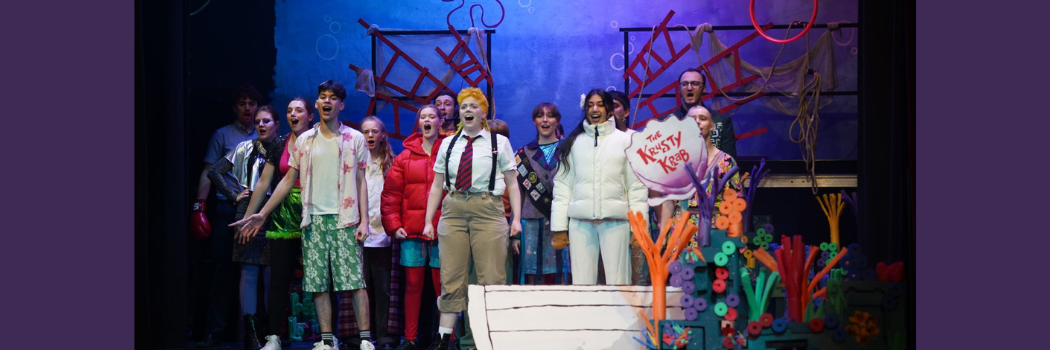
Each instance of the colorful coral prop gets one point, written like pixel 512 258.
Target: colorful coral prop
pixel 661 254
pixel 832 205
pixel 758 299
pixel 795 274
pixel 757 173
pixel 862 326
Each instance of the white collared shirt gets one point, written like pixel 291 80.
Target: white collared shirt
pixel 481 164
pixel 376 234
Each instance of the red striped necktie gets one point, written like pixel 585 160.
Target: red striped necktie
pixel 463 175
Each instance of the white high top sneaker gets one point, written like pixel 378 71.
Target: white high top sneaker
pixel 273 342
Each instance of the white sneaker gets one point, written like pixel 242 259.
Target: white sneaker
pixel 321 346
pixel 273 342
pixel 367 345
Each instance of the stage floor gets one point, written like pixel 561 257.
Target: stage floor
pixel 240 346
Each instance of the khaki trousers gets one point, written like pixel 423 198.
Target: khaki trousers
pixel 472 225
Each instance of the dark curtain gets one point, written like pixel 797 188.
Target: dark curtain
pixel 886 159
pixel 185 68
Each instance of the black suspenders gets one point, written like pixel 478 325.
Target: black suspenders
pixel 495 155
pixel 448 154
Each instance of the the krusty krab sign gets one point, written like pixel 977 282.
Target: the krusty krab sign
pixel 658 156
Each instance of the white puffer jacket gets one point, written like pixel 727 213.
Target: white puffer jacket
pixel 599 183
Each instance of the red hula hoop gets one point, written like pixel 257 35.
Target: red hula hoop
pixel 754 23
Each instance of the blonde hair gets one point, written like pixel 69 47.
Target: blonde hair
pixel 483 102
pixel 431 106
pixel 386 159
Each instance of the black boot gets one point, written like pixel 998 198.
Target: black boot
pixel 440 342
pixel 251 334
pixel 407 345
pixel 262 325
pixel 210 341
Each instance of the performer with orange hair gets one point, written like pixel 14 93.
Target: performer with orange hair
pixel 475 166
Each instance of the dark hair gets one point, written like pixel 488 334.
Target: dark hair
pixel 246 90
pixel 497 126
pixel 455 105
pixel 446 93
pixel 334 87
pixel 273 116
pixel 702 76
pixel 268 109
pixel 538 110
pixel 548 105
pixel 562 153
pixel 309 106
pixel 622 97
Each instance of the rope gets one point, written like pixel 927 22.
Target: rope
pixel 638 101
pixel 834 27
pixel 806 121
pixel 475 34
pixel 765 79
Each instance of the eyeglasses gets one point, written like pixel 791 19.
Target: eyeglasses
pixel 695 84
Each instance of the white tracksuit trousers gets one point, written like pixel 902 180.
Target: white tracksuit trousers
pixel 613 238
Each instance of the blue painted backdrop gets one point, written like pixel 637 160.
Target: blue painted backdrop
pixel 557 50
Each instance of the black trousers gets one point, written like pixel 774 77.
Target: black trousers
pixel 284 256
pixel 218 254
pixel 377 277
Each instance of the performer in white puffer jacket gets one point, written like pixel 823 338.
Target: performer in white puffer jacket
pixel 593 190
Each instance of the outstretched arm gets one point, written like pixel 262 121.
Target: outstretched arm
pixel 253 223
pixel 258 194
pixel 260 189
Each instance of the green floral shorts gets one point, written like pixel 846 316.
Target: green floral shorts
pixel 325 245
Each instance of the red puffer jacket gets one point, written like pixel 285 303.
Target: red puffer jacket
pixel 407 188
